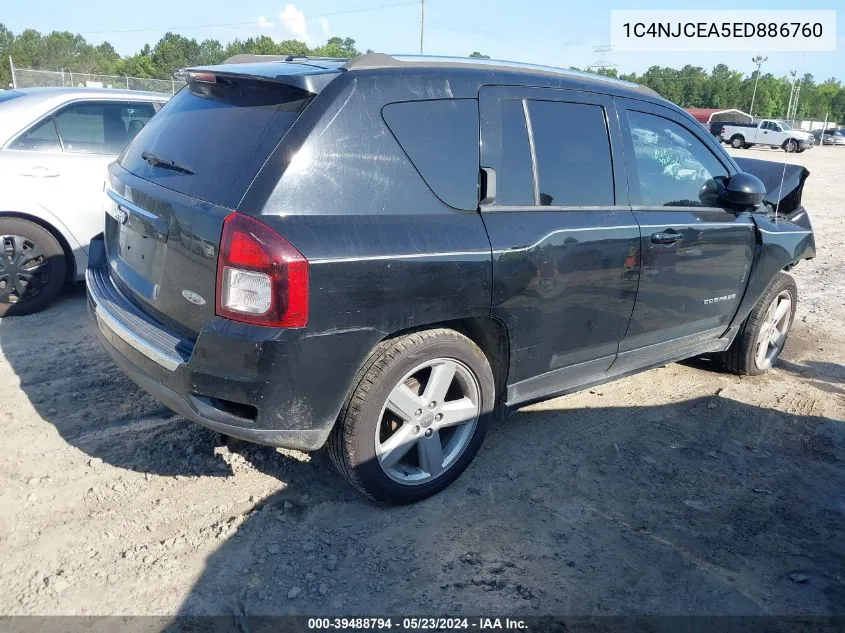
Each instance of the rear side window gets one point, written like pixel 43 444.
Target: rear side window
pixel 222 132
pixel 572 148
pixel 101 128
pixel 441 138
pixel 515 185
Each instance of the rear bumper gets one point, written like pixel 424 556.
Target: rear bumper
pixel 280 388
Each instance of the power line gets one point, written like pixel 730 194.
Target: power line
pixel 226 24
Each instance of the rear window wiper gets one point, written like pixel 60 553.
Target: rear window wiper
pixel 157 161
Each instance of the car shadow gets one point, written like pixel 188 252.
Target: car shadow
pixel 701 506
pixel 72 383
pixel 705 506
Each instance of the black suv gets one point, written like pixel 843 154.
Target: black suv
pixel 384 254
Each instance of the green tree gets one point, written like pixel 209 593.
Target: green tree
pixel 479 55
pixel 337 47
pixel 173 52
pixel 7 39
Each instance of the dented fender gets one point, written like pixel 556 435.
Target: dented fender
pixel 781 243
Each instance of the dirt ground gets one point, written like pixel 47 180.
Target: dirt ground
pixel 681 490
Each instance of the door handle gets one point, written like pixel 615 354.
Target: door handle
pixel 39 171
pixel 666 238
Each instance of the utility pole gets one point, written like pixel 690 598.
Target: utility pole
pixel 12 68
pixel 602 62
pixel 759 61
pixel 792 73
pixel 422 24
pixel 795 102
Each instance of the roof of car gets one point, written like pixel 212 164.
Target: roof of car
pixel 97 93
pixel 293 68
pixel 379 60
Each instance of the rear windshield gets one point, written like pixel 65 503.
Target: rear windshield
pixel 222 132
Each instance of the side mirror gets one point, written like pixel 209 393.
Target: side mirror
pixel 741 190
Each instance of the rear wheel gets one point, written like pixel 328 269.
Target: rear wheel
pixel 737 142
pixel 763 334
pixel 416 418
pixel 32 267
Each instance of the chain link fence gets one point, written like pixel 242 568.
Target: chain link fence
pixel 32 78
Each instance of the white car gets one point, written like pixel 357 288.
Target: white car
pixel 55 145
pixel 767 132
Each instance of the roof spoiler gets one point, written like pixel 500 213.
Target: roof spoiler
pixel 310 78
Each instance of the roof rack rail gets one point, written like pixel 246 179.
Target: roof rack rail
pixel 291 58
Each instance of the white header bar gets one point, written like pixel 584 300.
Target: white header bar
pixel 718 30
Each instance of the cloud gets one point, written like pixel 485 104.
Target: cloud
pixel 324 24
pixel 264 23
pixel 293 21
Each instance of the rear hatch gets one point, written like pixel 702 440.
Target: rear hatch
pixel 190 166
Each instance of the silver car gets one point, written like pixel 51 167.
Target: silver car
pixel 55 144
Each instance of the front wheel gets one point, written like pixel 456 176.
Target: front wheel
pixel 416 418
pixel 32 267
pixel 763 334
pixel 790 146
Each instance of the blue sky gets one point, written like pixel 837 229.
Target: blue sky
pixel 538 31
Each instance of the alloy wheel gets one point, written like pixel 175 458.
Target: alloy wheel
pixel 428 421
pixel 774 330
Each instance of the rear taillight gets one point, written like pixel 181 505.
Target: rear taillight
pixel 261 278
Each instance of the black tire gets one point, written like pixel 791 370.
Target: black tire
pixel 740 357
pixel 56 269
pixel 352 443
pixel 790 145
pixel 737 141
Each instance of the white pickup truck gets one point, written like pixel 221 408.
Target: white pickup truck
pixel 767 132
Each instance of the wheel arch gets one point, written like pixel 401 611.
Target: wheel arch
pixel 56 233
pixel 490 334
pixel 780 246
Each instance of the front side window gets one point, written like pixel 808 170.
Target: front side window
pixel 672 164
pixel 572 149
pixel 41 137
pixel 101 128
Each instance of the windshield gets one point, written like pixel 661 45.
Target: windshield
pixel 784 126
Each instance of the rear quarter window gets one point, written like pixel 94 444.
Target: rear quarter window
pixel 441 139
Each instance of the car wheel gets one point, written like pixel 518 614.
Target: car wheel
pixel 737 142
pixel 33 267
pixel 763 334
pixel 790 146
pixel 417 416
